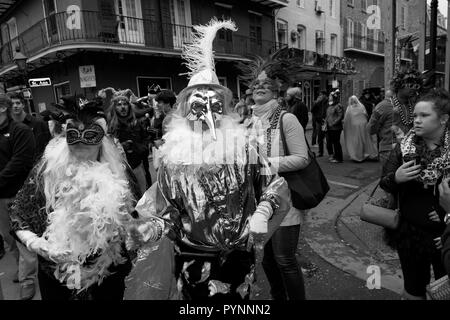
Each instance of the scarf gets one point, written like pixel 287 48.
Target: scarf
pixel 265 111
pixel 435 164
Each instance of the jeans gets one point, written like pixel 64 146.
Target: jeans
pixel 321 135
pixel 334 144
pixel 26 260
pixel 281 267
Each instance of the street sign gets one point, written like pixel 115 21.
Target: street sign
pixel 87 76
pixel 39 82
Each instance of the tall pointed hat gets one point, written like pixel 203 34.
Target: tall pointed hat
pixel 199 59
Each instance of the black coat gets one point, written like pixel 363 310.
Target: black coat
pixel 17 151
pixel 41 133
pixel 300 110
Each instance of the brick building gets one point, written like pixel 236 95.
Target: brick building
pixel 86 45
pixel 364 39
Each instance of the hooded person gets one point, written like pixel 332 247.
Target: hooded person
pixel 214 199
pixel 74 208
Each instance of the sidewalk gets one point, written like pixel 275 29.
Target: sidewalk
pixel 336 233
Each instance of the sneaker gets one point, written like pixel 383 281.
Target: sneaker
pixel 336 161
pixel 331 158
pixel 27 291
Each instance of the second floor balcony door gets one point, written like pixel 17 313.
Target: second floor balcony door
pixel 180 13
pixel 131 25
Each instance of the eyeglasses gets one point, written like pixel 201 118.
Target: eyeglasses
pixel 262 85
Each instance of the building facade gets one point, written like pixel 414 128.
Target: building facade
pixel 312 33
pixel 364 41
pixel 86 45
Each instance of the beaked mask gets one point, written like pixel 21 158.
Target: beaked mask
pixel 206 105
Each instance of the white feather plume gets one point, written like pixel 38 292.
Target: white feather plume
pixel 199 54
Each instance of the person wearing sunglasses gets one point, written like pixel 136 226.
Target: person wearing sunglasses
pixel 74 209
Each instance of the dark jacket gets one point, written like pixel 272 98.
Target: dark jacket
pixel 17 150
pixel 415 201
pixel 368 104
pixel 446 249
pixel 138 148
pixel 319 109
pixel 335 117
pixel 41 133
pixel 300 110
pixel 381 123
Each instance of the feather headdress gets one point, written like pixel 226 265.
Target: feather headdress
pixel 199 55
pixel 276 69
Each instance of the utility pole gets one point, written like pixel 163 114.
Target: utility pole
pixel 390 21
pixel 423 35
pixel 447 53
pixel 433 36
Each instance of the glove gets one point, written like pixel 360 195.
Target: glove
pixel 259 220
pixel 41 246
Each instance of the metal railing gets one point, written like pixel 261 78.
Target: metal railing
pixel 97 27
pixel 357 41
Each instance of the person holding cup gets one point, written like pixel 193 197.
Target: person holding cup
pixel 413 173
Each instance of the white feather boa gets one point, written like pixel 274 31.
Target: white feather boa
pixel 187 147
pixel 87 220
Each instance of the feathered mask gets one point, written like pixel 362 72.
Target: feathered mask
pixel 204 99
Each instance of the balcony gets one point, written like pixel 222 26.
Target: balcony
pixel 358 43
pixel 274 4
pixel 305 60
pixel 97 31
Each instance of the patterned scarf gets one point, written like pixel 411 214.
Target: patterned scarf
pixel 435 163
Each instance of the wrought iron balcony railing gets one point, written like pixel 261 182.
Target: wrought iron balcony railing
pixel 364 43
pixel 114 30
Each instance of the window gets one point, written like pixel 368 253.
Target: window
pixel 50 14
pixel 61 89
pixel 301 3
pixel 364 6
pixel 403 14
pixel 224 13
pixel 320 39
pixel 334 42
pixel 350 3
pixel 350 33
pixel 143 83
pixel 301 37
pixel 363 36
pixel 282 31
pixel 332 8
pixel 255 28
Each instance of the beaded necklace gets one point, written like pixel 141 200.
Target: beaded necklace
pixel 274 120
pixel 407 119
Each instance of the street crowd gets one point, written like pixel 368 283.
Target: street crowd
pixel 81 215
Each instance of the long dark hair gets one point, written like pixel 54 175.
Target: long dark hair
pixel 114 120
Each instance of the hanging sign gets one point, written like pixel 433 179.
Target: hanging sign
pixel 87 76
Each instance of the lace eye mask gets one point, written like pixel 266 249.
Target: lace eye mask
pixel 91 135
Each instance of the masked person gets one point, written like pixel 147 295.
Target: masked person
pixel 212 192
pixel 73 209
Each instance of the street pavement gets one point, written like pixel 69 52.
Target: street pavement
pixel 336 249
